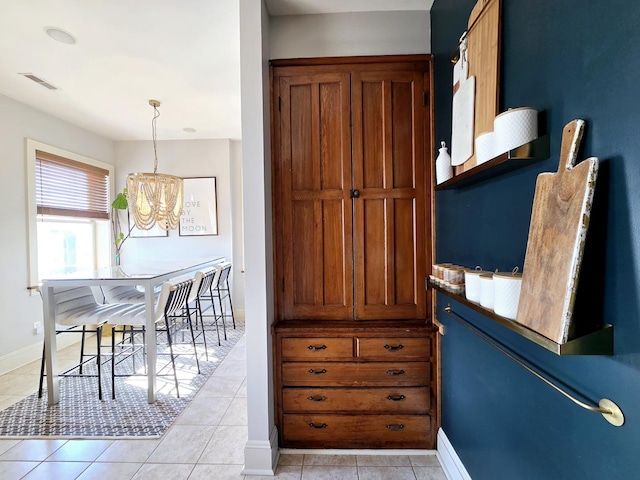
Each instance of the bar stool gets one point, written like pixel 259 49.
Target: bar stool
pixel 205 294
pixel 223 292
pixel 77 307
pixel 172 299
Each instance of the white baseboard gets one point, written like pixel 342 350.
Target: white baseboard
pixel 261 457
pixel 33 352
pixel 451 463
pixel 329 451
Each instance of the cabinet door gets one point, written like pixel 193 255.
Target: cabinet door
pixel 315 175
pixel 390 175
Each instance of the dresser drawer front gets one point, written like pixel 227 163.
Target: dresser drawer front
pixel 408 400
pixel 354 374
pixel 394 348
pixel 317 348
pixel 353 431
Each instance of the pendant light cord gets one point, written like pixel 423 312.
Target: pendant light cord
pixel 156 114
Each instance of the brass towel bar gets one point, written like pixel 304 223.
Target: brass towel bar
pixel 609 410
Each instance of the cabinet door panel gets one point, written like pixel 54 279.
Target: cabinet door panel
pixel 315 173
pixel 389 171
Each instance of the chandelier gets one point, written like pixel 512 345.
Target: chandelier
pixel 155 198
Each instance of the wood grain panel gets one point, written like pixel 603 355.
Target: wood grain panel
pixel 413 400
pixel 559 221
pixel 393 348
pixel 402 134
pixel 390 258
pixel 353 431
pixel 351 374
pixel 484 63
pixel 316 225
pixel 332 157
pixel 317 348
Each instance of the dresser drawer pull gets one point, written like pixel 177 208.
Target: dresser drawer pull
pixel 393 348
pixel 315 348
pixel 395 372
pixel 322 425
pixel 318 372
pixel 317 398
pixel 395 427
pixel 396 398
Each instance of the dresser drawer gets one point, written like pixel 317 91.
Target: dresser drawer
pixel 394 348
pixel 356 374
pixel 409 400
pixel 317 348
pixel 353 431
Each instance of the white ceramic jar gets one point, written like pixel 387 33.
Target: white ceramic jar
pixel 472 283
pixel 507 293
pixel 486 291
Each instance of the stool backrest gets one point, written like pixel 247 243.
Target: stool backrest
pixel 209 278
pixel 225 270
pixel 70 299
pixel 175 298
pixel 195 288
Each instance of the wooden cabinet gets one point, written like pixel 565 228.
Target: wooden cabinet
pixel 351 189
pixel 380 395
pixel 352 227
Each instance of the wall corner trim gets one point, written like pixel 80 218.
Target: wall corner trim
pixel 261 457
pixel 451 463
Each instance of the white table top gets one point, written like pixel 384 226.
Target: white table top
pixel 132 272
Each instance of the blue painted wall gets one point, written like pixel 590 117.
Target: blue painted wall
pixel 568 59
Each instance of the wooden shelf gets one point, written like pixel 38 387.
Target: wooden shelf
pixel 524 155
pixel 599 342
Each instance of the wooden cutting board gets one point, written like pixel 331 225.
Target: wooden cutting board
pixel 559 222
pixel 462 121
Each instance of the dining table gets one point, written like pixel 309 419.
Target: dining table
pixel 147 275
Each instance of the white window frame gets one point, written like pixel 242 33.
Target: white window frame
pixel 32 211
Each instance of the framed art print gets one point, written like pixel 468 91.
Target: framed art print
pixel 199 211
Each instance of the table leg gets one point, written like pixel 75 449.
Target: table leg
pixel 50 346
pixel 150 342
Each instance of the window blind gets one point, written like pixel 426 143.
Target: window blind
pixel 72 189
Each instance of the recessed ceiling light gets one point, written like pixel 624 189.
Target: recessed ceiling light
pixel 189 130
pixel 60 35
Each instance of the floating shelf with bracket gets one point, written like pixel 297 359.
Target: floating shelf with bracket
pixel 534 151
pixel 599 342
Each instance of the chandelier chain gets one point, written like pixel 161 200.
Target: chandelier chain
pixel 156 114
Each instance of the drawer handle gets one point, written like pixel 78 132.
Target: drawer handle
pixel 317 398
pixel 396 398
pixel 395 372
pixel 395 427
pixel 322 425
pixel 318 372
pixel 393 348
pixel 315 348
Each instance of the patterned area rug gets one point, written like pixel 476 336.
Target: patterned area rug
pixel 80 414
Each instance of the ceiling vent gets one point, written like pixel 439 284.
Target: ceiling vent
pixel 39 81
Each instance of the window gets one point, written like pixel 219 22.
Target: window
pixel 69 205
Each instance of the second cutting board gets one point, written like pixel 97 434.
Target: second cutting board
pixel 557 233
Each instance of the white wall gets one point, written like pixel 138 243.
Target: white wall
pixel 20 309
pixel 261 447
pixel 189 158
pixel 350 34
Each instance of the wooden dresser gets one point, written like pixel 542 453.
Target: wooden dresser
pixel 352 188
pixel 362 386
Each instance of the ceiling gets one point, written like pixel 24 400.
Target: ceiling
pixel 185 53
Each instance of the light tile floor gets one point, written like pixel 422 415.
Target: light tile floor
pixel 206 442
